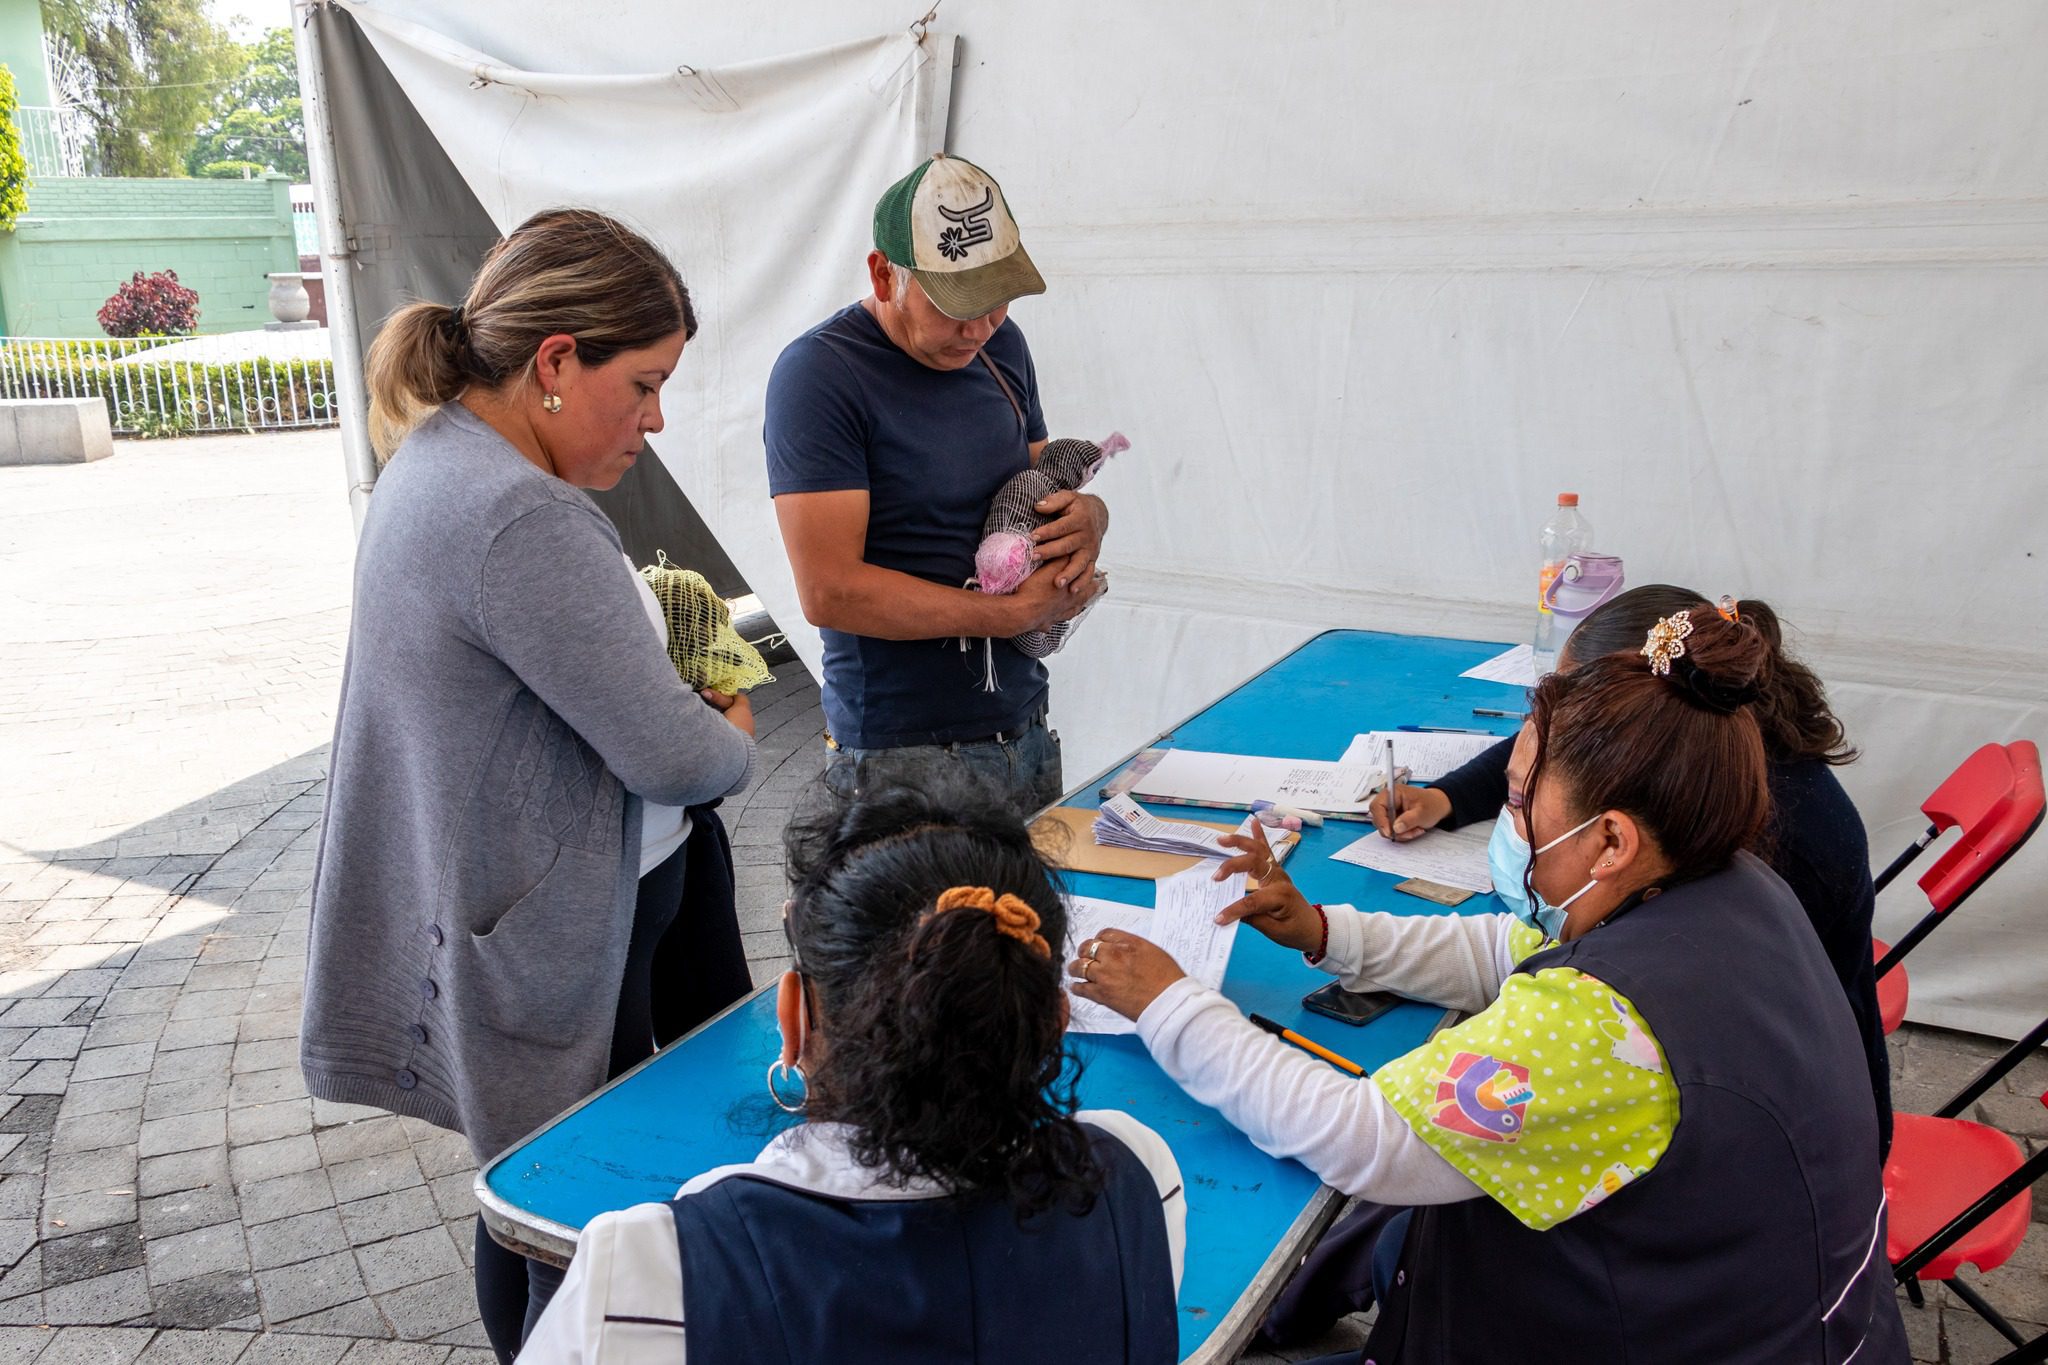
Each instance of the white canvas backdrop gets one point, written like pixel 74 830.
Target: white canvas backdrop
pixel 755 176
pixel 1367 286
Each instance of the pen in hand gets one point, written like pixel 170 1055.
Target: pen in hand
pixel 1393 793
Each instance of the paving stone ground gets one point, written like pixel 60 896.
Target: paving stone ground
pixel 171 631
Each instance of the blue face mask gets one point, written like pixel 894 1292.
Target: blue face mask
pixel 1508 856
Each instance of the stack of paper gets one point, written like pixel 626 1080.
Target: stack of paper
pixel 1184 924
pixel 1123 823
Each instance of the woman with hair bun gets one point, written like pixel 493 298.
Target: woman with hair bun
pixel 1814 840
pixel 939 1202
pixel 1653 1138
pixel 511 739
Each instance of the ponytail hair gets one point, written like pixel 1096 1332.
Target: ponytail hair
pixel 1791 704
pixel 927 929
pixel 1679 751
pixel 562 271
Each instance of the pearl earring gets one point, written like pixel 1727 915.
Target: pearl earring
pixel 552 403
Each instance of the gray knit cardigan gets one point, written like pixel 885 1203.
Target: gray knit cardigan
pixel 504 710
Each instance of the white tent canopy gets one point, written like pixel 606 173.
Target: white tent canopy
pixel 1367 285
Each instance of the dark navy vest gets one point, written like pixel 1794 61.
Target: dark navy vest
pixel 1758 1237
pixel 779 1276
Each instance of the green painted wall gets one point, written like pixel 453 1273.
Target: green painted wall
pixel 21 47
pixel 82 237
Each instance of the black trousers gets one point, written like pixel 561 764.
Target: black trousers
pixel 686 962
pixel 1337 1277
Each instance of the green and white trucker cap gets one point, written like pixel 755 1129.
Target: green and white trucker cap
pixel 947 222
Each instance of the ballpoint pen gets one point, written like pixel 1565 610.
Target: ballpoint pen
pixel 1307 1045
pixel 1393 790
pixel 1440 730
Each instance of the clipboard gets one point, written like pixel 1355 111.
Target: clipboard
pixel 1066 836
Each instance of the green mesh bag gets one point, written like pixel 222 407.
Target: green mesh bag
pixel 702 644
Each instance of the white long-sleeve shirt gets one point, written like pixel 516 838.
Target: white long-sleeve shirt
pixel 622 1302
pixel 662 828
pixel 1292 1105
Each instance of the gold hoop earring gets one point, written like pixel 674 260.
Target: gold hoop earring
pixel 552 403
pixel 783 1070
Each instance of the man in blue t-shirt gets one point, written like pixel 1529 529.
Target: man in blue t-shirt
pixel 890 426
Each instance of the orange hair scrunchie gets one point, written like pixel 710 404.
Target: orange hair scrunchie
pixel 1013 917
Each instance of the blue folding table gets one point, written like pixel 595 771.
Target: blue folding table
pixel 700 1103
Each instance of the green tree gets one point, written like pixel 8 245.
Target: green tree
pixel 13 165
pixel 256 121
pixel 157 67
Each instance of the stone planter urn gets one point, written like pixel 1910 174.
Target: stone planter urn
pixel 288 300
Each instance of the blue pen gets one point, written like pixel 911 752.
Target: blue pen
pixel 1440 730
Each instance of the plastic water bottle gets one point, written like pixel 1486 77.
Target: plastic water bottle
pixel 1564 535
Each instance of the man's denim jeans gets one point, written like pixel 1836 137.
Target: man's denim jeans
pixel 1027 768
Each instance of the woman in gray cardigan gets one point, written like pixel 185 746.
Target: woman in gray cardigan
pixel 505 712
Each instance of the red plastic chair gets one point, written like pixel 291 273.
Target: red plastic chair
pixel 1893 992
pixel 1959 1193
pixel 1995 799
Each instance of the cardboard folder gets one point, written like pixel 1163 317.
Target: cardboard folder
pixel 1066 835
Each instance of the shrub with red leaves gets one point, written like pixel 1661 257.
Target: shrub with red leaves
pixel 150 305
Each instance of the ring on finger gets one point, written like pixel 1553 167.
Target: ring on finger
pixel 1094 949
pixel 1081 968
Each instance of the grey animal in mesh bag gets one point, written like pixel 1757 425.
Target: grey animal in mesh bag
pixel 1007 555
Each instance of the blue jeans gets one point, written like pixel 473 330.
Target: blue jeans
pixel 1026 768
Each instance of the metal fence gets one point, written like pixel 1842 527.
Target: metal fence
pixel 175 386
pixel 57 140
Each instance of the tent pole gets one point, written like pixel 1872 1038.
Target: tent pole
pixel 337 262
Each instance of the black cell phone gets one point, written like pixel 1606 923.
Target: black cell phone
pixel 1353 1007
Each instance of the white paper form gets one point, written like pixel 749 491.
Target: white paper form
pixel 1516 667
pixel 1183 923
pixel 1240 779
pixel 1424 756
pixel 1454 857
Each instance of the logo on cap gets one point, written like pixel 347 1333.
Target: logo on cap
pixel 968 260
pixel 971 227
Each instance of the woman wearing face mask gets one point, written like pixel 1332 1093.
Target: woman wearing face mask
pixel 1815 839
pixel 1652 1140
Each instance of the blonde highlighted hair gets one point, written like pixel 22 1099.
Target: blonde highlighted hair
pixel 574 272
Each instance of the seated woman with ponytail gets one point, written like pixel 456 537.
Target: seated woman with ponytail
pixel 1653 1138
pixel 940 1202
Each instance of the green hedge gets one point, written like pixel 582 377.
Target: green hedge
pixel 171 398
pixel 48 353
pixel 14 181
